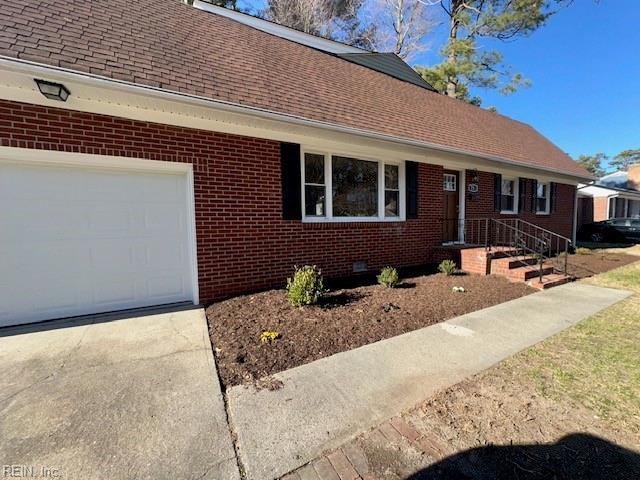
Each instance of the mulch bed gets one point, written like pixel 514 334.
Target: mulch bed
pixel 352 317
pixel 587 265
pixel 345 319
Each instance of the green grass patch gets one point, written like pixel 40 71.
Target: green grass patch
pixel 596 363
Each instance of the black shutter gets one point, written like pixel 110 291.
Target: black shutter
pixel 411 185
pixel 497 192
pixel 290 173
pixel 534 196
pixel 522 193
pixel 553 197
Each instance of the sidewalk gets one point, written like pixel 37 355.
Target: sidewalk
pixel 325 403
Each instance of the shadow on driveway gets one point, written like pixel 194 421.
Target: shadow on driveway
pixel 95 318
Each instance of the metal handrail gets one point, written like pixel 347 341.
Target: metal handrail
pixel 549 238
pixel 525 237
pixel 503 223
pixel 544 230
pixel 474 230
pixel 524 247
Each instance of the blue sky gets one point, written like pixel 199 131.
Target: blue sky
pixel 585 71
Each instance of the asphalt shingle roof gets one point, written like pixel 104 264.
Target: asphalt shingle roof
pixel 167 44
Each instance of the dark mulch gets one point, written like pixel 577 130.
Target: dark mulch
pixel 597 261
pixel 346 319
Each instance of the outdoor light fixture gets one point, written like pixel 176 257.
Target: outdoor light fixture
pixel 52 90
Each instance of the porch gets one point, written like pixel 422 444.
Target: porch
pixel 513 248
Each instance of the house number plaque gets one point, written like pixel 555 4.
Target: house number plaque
pixel 473 187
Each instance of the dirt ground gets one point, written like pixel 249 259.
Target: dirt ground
pixel 597 261
pixel 344 320
pixel 497 426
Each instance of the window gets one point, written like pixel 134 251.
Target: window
pixel 355 187
pixel 314 185
pixel 620 211
pixel 344 188
pixel 612 207
pixel 391 191
pixel 509 194
pixel 542 198
pixel 449 182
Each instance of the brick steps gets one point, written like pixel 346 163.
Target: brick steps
pixel 524 272
pixel 551 280
pixel 504 261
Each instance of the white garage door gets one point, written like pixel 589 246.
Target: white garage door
pixel 77 240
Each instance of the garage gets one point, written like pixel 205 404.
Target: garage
pixel 87 234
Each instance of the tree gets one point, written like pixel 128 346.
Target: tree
pixel 324 18
pixel 401 26
pixel 593 163
pixel 466 64
pixel 625 159
pixel 397 26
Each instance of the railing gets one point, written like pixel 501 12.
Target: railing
pixel 555 248
pixel 471 231
pixel 523 245
pixel 524 238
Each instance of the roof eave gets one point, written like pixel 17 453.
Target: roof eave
pixel 61 73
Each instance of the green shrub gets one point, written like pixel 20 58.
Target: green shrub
pixel 306 287
pixel 582 251
pixel 388 277
pixel 448 267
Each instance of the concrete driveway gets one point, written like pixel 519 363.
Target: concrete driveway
pixel 129 398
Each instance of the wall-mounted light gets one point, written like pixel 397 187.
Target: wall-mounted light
pixel 52 90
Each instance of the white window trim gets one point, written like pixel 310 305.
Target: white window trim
pixel 547 209
pixel 455 182
pixel 328 183
pixel 516 195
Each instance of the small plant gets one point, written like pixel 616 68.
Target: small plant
pixel 583 251
pixel 269 336
pixel 388 277
pixel 390 307
pixel 459 289
pixel 448 267
pixel 306 287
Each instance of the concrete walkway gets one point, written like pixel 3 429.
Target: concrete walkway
pixel 327 402
pixel 121 399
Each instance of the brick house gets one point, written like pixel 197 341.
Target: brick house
pixel 153 152
pixel 616 195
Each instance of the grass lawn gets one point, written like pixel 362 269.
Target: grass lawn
pixel 597 363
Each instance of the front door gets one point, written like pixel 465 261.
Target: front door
pixel 451 206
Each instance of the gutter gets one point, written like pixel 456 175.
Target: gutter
pixel 62 74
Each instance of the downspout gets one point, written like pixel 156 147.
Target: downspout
pixel 574 232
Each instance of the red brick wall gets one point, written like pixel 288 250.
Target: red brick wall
pixel 559 221
pixel 243 243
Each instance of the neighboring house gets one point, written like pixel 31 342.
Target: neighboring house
pixel 152 152
pixel 616 195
